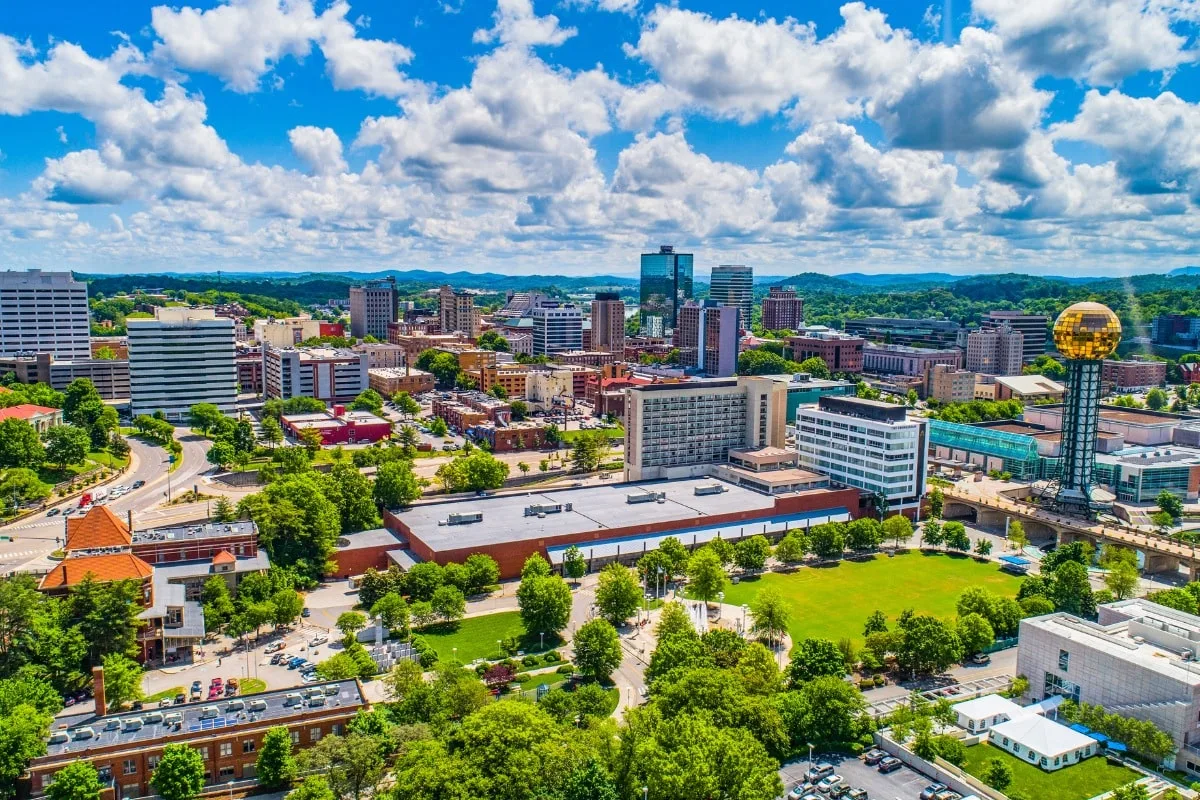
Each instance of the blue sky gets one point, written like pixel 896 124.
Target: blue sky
pixel 566 137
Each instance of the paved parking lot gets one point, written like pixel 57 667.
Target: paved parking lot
pixel 903 784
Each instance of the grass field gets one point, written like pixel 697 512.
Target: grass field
pixel 475 637
pixel 834 601
pixel 252 686
pixel 1086 779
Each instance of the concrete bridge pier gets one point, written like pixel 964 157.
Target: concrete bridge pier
pixel 1160 562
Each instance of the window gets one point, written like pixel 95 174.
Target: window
pixel 226 774
pixel 314 734
pixel 226 749
pixel 337 729
pixel 203 752
pixel 1064 660
pixel 152 762
pixel 247 745
pixel 130 767
pixel 295 737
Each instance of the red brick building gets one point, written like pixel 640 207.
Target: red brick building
pixel 841 353
pixel 339 426
pixel 511 439
pixel 355 553
pixel 1133 374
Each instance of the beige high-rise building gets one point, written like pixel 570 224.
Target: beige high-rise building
pixel 608 322
pixel 372 307
pixel 457 312
pixel 995 351
pixel 675 430
pixel 948 384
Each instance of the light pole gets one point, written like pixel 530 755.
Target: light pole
pixel 645 792
pixel 745 608
pixel 721 604
pixel 455 655
pixel 541 640
pixel 231 790
pixel 499 652
pixel 810 752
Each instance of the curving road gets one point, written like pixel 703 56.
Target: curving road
pixel 37 536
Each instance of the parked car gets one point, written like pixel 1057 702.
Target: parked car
pixel 54 512
pixel 318 640
pixel 949 794
pixel 932 789
pixel 981 658
pixel 305 613
pixel 890 764
pixel 274 646
pixel 180 699
pixel 278 658
pixel 857 794
pixel 873 757
pixel 295 662
pixel 828 784
pixel 818 772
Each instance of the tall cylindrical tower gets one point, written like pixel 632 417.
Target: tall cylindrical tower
pixel 1085 333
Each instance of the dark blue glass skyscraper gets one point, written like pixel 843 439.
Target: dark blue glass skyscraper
pixel 666 285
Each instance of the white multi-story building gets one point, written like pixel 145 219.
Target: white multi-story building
pixel 556 327
pixel 867 444
pixel 675 430
pixel 334 375
pixel 733 285
pixel 182 357
pixel 995 351
pixel 43 312
pixel 1138 660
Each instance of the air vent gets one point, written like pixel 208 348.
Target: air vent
pixel 711 488
pixel 645 497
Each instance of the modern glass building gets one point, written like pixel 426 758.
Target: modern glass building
pixel 990 449
pixel 666 283
pixel 733 285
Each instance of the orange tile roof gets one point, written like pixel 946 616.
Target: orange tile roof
pixel 116 567
pixel 224 557
pixel 26 411
pixel 97 528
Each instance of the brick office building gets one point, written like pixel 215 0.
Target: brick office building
pixel 840 352
pixel 125 748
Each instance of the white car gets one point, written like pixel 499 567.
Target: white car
pixel 317 640
pixel 830 783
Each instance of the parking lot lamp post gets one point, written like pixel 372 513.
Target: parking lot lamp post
pixel 541 640
pixel 745 608
pixel 645 792
pixel 810 752
pixel 230 790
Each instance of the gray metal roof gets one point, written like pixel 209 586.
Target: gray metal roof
pixel 593 508
pixel 375 537
pixel 279 708
pixel 186 533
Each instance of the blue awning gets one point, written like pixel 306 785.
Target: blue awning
pixel 1117 747
pixel 1084 729
pixel 1099 737
pixel 1016 561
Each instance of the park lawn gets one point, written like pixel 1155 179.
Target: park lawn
pixel 252 686
pixel 165 694
pixel 107 459
pixel 617 433
pixel 1086 779
pixel 834 601
pixel 475 637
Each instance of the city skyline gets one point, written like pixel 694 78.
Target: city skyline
pixel 256 135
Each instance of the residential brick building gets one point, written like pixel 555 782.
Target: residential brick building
pixel 840 352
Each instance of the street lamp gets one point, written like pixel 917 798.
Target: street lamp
pixel 499 652
pixel 645 792
pixel 721 604
pixel 231 789
pixel 745 608
pixel 810 752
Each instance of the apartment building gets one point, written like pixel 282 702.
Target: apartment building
pixel 1032 328
pixel 707 337
pixel 948 384
pixel 334 375
pixel 782 310
pixel 1134 374
pixel 126 747
pixel 293 330
pixel 522 343
pixel 608 323
pixel 373 306
pixel 995 351
pixel 733 285
pixel 912 332
pixel 43 312
pixel 556 327
pixel 675 430
pixel 381 355
pixel 510 377
pixel 898 359
pixel 457 312
pixel 866 444
pixel 1137 660
pixel 182 357
pixel 840 352
pixel 389 381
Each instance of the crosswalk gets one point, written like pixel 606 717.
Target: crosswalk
pixel 25 554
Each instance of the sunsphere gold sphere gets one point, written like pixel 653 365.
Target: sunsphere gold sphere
pixel 1087 331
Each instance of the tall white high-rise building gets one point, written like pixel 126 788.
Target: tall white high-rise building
pixel 556 327
pixel 867 444
pixel 995 351
pixel 43 312
pixel 182 357
pixel 733 285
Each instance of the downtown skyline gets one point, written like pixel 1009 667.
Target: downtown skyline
pixel 568 138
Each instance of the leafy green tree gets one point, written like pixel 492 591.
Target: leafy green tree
pixel 122 680
pixel 20 445
pixel 490 340
pixel 975 633
pixel 204 416
pixel 574 564
pixel 223 510
pixel 925 644
pixel 482 572
pixel 76 781
pixel 997 774
pixel 298 525
pixel 673 620
pixel 407 405
pixel 438 427
pixel 898 529
pixel 597 649
pixel 368 400
pixel 864 533
pixel 706 576
pixel 350 623
pixel 23 733
pixel 587 782
pixel 545 603
pixel 66 444
pixel 352 764
pixel 618 593
pixel 179 774
pixel 1072 591
pixel 287 605
pixel 106 615
pixel 23 486
pixel 816 367
pixel 443 365
pixel 1171 504
pixel 272 433
pixel 392 610
pixel 770 614
pixel 276 766
pixel 351 493
pixel 395 485
pixel 1122 580
pixel 751 553
pixel 474 472
pixel 932 533
pixel 424 579
pixel 791 547
pixel 1178 599
pixel 937 502
pixel 827 540
pixel 983 547
pixel 955 534
pixel 220 454
pixel 814 658
pixel 1156 399
pixel 448 603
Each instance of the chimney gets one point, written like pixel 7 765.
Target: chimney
pixel 129 520
pixel 98 690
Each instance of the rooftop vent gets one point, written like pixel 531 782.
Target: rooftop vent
pixel 710 488
pixel 464 518
pixel 645 497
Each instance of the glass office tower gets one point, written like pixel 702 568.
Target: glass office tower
pixel 666 285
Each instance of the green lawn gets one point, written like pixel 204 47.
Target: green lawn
pixel 475 637
pixel 617 433
pixel 834 601
pixel 1086 779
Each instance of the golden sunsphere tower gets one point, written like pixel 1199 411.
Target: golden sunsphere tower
pixel 1085 333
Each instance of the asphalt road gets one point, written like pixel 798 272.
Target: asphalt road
pixel 37 536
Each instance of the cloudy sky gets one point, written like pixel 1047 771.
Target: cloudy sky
pixel 566 136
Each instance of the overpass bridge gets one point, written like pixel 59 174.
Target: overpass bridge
pixel 1160 553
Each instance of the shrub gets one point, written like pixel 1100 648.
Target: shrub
pixel 552 657
pixel 480 669
pixel 566 669
pixel 880 680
